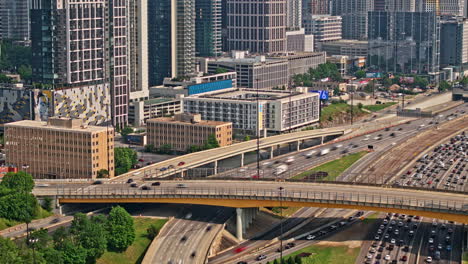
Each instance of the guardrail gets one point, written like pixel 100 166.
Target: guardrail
pixel 341 198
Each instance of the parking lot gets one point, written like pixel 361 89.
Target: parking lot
pixel 442 168
pixel 411 239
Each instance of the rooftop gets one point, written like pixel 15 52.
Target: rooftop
pixel 158 101
pixel 250 94
pixel 200 123
pixel 44 125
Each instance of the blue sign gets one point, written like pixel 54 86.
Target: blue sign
pixel 323 95
pixel 374 75
pixel 209 87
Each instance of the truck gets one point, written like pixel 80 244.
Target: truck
pixel 324 152
pixel 280 169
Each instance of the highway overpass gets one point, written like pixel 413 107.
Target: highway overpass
pixel 240 194
pixel 212 156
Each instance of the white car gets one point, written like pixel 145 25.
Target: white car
pixel 393 241
pixel 431 240
pixel 310 237
pixel 369 256
pixel 429 260
pixel 387 257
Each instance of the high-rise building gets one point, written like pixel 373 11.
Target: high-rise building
pixel 257 26
pixel 442 7
pixel 14 19
pixel 315 7
pixel 355 15
pixel 138 49
pixel 79 44
pixel 404 42
pixel 207 28
pixel 399 5
pixel 325 28
pixel 294 15
pixel 454 41
pixel 171 34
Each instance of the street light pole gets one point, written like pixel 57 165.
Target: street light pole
pixel 281 223
pixel 32 241
pixel 258 131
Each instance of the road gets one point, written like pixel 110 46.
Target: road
pixel 188 237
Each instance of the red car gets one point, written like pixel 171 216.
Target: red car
pixel 238 250
pixel 181 163
pixel 404 258
pixel 141 160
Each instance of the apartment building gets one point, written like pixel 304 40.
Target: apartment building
pixel 185 130
pixel 61 148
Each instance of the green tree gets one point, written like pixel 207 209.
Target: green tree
pixel 47 204
pixel 212 141
pixel 5 79
pixel 275 261
pixel 18 181
pixel 298 259
pixel 9 252
pixel 421 81
pixel 13 56
pixel 121 229
pixel 336 91
pixel 165 149
pixel 125 132
pixel 220 70
pixel 360 74
pixel 124 159
pixel 103 173
pixel 93 237
pixel 360 105
pixel 18 206
pixel 464 80
pixel 25 71
pixel 290 260
pixel 52 256
pixel 72 254
pixel 152 232
pixel 149 148
pixel 444 86
pixel 247 138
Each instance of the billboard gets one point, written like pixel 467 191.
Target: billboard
pixel 323 94
pixel 373 75
pixel 406 79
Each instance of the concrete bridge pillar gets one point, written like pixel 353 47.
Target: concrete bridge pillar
pixel 298 147
pixel 215 167
pixel 272 152
pixel 239 226
pixel 321 140
pixel 242 160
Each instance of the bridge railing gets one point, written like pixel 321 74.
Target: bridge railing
pixel 269 194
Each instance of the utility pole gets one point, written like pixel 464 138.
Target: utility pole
pixel 281 223
pixel 352 112
pixel 258 131
pixel 290 106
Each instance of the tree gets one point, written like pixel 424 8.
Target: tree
pixel 290 260
pixel 25 71
pixel 336 91
pixel 103 173
pixel 212 141
pixel 18 206
pixel 165 149
pixel 9 252
pixel 464 80
pixel 93 237
pixel 18 181
pixel 125 132
pixel 5 79
pixel 220 70
pixel 444 86
pixel 43 238
pixel 247 138
pixel 47 204
pixel 298 259
pixel 149 148
pixel 52 256
pixel 152 232
pixel 72 254
pixel 121 229
pixel 360 74
pixel 124 159
pixel 360 105
pixel 275 261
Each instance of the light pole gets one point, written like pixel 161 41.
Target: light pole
pixel 258 131
pixel 33 241
pixel 281 223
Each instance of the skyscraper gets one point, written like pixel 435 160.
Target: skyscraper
pixel 294 15
pixel 257 26
pixel 404 42
pixel 454 41
pixel 171 34
pixel 354 14
pixel 138 49
pixel 14 19
pixel 442 7
pixel 83 46
pixel 207 28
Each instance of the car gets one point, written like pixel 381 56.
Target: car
pixel 148 163
pixel 130 180
pixel 208 228
pixel 374 244
pixel 310 237
pixel 141 160
pixel 411 233
pixel 163 169
pixel 133 185
pixel 387 257
pixel 181 163
pixel 431 240
pixel 369 256
pixel 372 250
pixel 242 262
pixel 381 249
pixel 393 241
pixel 404 258
pixel 193 254
pixel 181 185
pixel 386 236
pixel 155 184
pixel 377 237
pixel 448 248
pixel 439 246
pixel 240 249
pixel 54 221
pixel 406 248
pixel 394 261
pixel 42 185
pixel 171 167
pixel 429 259
pixel 145 188
pixel 97 182
pixel 261 257
pixel 378 256
pixel 450 231
pixel 183 239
